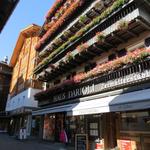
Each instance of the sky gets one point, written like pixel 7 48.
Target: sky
pixel 26 13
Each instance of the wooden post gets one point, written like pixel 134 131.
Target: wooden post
pixel 109 127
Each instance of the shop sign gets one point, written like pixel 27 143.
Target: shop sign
pixel 81 142
pixel 125 145
pixel 102 86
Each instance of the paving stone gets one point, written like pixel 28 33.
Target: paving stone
pixel 10 143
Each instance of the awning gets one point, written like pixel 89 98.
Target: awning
pixel 125 102
pixel 96 104
pixel 64 108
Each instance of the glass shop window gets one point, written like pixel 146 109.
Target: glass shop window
pixel 135 121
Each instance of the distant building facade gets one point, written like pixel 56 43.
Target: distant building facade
pixel 23 84
pixel 5 78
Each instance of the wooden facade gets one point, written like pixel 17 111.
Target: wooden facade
pixel 23 61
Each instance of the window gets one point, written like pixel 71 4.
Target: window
pixel 90 66
pixel 122 52
pixel 56 82
pixel 70 76
pixel 73 74
pixel 147 42
pixel 112 57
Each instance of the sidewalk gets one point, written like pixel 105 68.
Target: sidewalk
pixel 8 143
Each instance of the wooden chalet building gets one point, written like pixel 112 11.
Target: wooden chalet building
pixel 23 86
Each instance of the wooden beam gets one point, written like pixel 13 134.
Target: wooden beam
pixel 144 24
pixel 95 46
pixel 132 33
pixel 109 44
pixel 118 38
pixel 91 53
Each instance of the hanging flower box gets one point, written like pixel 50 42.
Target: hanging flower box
pixel 69 57
pixel 58 41
pixel 99 6
pixel 82 47
pixel 107 2
pixel 116 4
pixel 61 63
pixel 61 11
pixel 66 5
pixel 123 25
pixel 99 70
pixel 132 57
pixel 100 37
pixel 59 23
pixel 56 5
pixel 54 19
pixel 67 34
pixel 83 19
pixel 57 15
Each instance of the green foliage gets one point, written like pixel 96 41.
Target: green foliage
pixel 144 55
pixel 95 21
pixel 100 37
pixel 83 18
pixel 123 25
pixel 61 63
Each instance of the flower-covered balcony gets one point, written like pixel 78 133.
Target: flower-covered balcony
pixel 129 12
pixel 132 69
pixel 93 9
pixel 99 44
pixel 61 11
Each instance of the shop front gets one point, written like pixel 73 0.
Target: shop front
pixel 97 110
pixel 53 125
pixel 20 119
pixel 134 130
pixel 89 125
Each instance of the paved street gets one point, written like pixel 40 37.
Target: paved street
pixel 9 143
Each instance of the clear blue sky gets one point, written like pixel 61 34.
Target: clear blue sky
pixel 26 13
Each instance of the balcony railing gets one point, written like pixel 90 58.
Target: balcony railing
pixel 128 12
pixel 96 26
pixel 113 37
pixel 126 76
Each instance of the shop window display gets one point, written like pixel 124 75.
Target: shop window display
pixel 85 125
pixel 135 130
pixel 76 125
pixel 49 128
